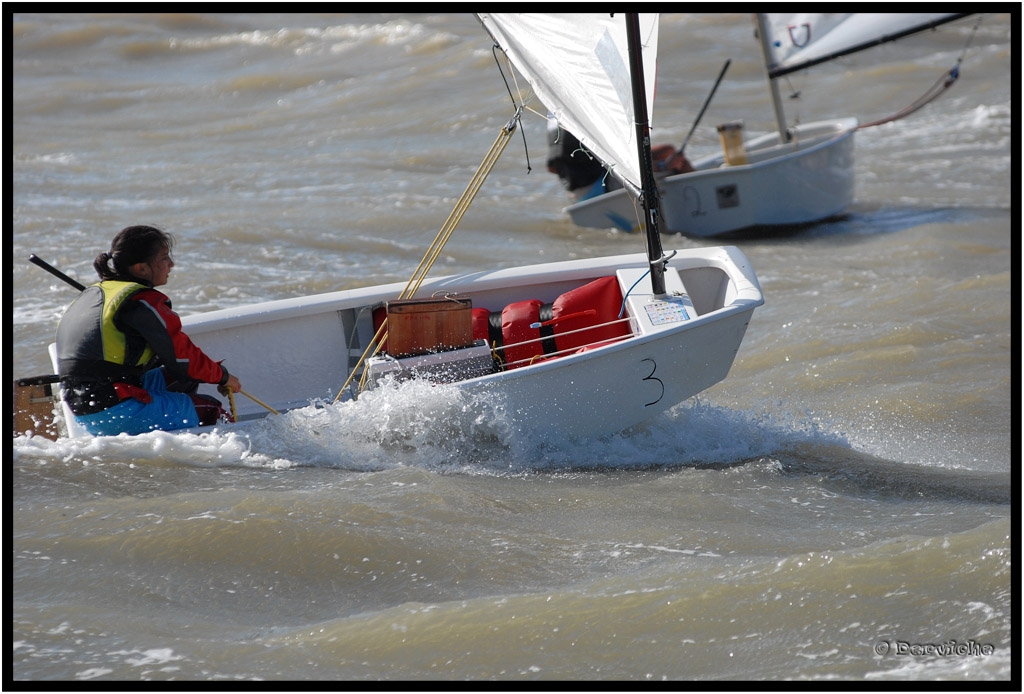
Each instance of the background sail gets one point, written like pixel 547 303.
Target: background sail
pixel 797 41
pixel 579 68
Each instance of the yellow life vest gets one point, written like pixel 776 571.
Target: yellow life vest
pixel 115 342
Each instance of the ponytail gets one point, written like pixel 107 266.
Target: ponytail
pixel 102 266
pixel 134 244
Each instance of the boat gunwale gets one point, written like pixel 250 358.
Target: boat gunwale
pixel 482 281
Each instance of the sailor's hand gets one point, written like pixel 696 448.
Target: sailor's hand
pixel 233 385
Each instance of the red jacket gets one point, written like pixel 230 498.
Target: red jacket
pixel 149 314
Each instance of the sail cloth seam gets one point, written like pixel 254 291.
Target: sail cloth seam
pixel 437 245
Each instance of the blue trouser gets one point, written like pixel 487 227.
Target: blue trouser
pixel 166 411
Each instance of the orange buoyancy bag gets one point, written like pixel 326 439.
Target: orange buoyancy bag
pixel 517 339
pixel 593 304
pixel 482 324
pixel 380 314
pixel 516 320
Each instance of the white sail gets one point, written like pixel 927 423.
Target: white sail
pixel 578 65
pixel 799 40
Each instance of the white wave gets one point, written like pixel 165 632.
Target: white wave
pixel 442 428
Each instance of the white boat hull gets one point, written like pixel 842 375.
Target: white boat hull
pixel 292 352
pixel 806 180
pixel 616 387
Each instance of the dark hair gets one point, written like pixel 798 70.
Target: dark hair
pixel 134 244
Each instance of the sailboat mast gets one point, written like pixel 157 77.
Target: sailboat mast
pixel 648 186
pixel 773 87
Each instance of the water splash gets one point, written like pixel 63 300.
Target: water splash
pixel 443 428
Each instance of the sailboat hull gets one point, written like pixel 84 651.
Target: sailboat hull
pixel 607 391
pixel 292 352
pixel 806 180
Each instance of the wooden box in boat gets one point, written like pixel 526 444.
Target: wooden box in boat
pixel 421 326
pixel 34 403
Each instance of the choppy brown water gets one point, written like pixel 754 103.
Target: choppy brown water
pixel 844 495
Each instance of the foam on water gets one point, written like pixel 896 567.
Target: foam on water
pixel 442 428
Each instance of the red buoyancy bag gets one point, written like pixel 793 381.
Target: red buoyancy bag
pixel 380 314
pixel 515 328
pixel 594 303
pixel 481 324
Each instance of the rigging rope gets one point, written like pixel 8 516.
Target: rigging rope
pixel 434 251
pixel 935 91
pixel 490 159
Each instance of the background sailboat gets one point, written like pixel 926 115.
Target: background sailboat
pixel 796 175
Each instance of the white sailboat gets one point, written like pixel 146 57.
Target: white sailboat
pixel 572 349
pixel 797 175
